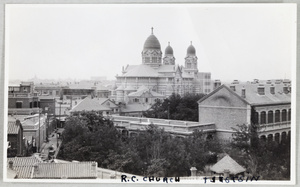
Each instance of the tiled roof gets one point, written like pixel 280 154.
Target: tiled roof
pixel 135 108
pixel 89 104
pixel 101 100
pixel 23 166
pixel 73 170
pixel 11 174
pixel 141 92
pixel 253 97
pixel 46 97
pixel 143 87
pixel 141 71
pixel 130 67
pixel 13 127
pixel 129 88
pixel 39 86
pixel 227 163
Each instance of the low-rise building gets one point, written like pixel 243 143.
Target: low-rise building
pixel 16 145
pixel 267 105
pixel 89 104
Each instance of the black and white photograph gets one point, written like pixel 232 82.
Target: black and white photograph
pixel 150 93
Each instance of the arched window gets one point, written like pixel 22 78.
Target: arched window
pixel 277 116
pixel 263 118
pixel 283 115
pixel 255 118
pixel 289 115
pixel 270 117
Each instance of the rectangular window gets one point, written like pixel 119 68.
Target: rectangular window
pixel 154 60
pixel 207 83
pixel 147 59
pixel 19 104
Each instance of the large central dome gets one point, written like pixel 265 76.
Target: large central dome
pixel 152 42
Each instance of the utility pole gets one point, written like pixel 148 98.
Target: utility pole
pixel 39 131
pixel 169 110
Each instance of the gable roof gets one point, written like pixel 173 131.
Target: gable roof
pixel 23 166
pixel 227 163
pixel 141 71
pixel 101 99
pixel 13 127
pixel 141 92
pixel 219 88
pixel 89 104
pixel 72 170
pixel 254 98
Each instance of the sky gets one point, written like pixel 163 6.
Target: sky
pixel 242 42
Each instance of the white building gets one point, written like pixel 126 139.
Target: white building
pixel 161 75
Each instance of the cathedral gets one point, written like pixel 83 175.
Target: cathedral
pixel 158 76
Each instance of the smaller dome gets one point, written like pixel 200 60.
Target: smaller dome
pixel 191 50
pixel 169 50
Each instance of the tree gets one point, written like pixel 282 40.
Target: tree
pixel 176 107
pixel 88 136
pixel 269 160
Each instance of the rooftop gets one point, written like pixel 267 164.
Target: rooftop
pixel 253 97
pixel 72 170
pixel 227 163
pixel 89 104
pixel 23 166
pixel 13 127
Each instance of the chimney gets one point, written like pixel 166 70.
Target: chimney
pixel 193 171
pixel 18 123
pixel 272 89
pixel 35 168
pixel 243 92
pixel 285 89
pixel 94 168
pixel 226 173
pixel 10 164
pixel 232 87
pixel 261 89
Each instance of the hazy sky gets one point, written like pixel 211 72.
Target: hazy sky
pixel 79 41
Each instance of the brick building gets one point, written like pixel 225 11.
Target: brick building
pixel 268 105
pixel 15 140
pixel 22 96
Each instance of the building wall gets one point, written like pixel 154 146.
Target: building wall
pixel 224 109
pixel 48 105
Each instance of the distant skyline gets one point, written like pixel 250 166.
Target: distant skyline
pixel 244 42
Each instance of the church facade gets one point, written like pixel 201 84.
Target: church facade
pixel 158 74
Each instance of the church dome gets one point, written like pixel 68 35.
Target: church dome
pixel 152 42
pixel 169 50
pixel 191 50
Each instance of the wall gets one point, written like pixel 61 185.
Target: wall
pixel 225 109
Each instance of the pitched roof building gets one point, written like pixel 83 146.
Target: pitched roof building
pixel 15 138
pixel 227 166
pixel 267 105
pixel 23 166
pixel 89 104
pixel 72 170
